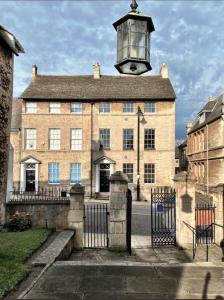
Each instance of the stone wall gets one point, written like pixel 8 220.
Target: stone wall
pixel 43 215
pixel 6 86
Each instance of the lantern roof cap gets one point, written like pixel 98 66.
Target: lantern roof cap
pixel 136 16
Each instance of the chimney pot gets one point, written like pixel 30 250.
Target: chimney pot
pixel 164 71
pixel 34 71
pixel 96 71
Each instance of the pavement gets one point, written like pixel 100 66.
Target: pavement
pixel 129 280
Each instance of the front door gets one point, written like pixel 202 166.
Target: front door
pixel 104 178
pixel 30 180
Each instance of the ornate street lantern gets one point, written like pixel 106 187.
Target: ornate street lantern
pixel 133 42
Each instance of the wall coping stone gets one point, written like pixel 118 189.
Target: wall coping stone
pixel 54 250
pixel 184 177
pixel 119 176
pixel 77 189
pixel 38 202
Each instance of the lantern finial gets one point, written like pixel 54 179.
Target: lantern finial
pixel 134 6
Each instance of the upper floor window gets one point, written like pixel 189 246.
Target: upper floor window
pixel 54 138
pixel 128 170
pixel 149 139
pixel 55 107
pixel 31 107
pixel 149 173
pixel 150 107
pixel 76 139
pixel 104 107
pixel 202 118
pixel 75 173
pixel 128 139
pixel 30 139
pixel 76 107
pixel 53 173
pixel 128 107
pixel 105 138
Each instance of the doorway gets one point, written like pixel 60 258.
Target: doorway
pixel 30 180
pixel 104 178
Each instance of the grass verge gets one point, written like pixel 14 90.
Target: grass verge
pixel 15 248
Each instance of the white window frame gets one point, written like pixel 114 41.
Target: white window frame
pixel 128 110
pixel 55 107
pixel 78 109
pixel 78 172
pixel 30 138
pixel 104 107
pixel 104 135
pixel 56 165
pixel 152 107
pixel 76 139
pixel 31 107
pixel 54 138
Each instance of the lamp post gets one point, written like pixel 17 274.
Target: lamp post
pixel 139 114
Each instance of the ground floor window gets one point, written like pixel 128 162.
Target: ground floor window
pixel 149 173
pixel 128 170
pixel 53 173
pixel 75 173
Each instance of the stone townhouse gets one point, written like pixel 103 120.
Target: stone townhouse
pixel 81 129
pixel 205 144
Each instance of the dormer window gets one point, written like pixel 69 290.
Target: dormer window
pixel 202 118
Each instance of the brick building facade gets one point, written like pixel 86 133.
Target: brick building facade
pixel 84 128
pixel 205 144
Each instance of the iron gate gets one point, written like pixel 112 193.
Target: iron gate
pixel 163 216
pixel 128 224
pixel 204 222
pixel 96 217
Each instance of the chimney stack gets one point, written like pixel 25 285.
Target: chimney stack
pixel 34 71
pixel 211 98
pixel 189 125
pixel 164 71
pixel 96 71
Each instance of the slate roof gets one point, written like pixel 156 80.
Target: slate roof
pixel 214 114
pixel 11 41
pixel 106 88
pixel 16 114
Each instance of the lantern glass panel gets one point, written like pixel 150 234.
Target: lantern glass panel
pixel 122 41
pixel 138 47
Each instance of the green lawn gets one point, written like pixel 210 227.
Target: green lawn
pixel 15 248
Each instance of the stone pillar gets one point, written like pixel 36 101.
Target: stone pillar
pixel 76 213
pixel 218 199
pixel 185 208
pixel 118 207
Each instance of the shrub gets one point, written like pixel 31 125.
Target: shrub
pixel 19 223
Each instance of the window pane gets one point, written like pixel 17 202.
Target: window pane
pixel 55 107
pixel 128 170
pixel 105 138
pixel 149 173
pixel 104 107
pixel 150 107
pixel 76 107
pixel 30 139
pixel 31 107
pixel 76 139
pixel 149 139
pixel 128 107
pixel 128 139
pixel 53 173
pixel 55 139
pixel 75 173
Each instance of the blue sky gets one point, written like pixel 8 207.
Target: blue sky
pixel 68 37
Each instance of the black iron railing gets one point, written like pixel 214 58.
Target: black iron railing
pixel 205 232
pixel 43 194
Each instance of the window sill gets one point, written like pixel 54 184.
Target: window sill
pixel 152 149
pixel 129 149
pixel 54 183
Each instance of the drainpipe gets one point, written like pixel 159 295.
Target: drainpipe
pixel 91 154
pixel 207 160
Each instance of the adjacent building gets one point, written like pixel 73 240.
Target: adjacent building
pixel 205 143
pixel 9 46
pixel 81 129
